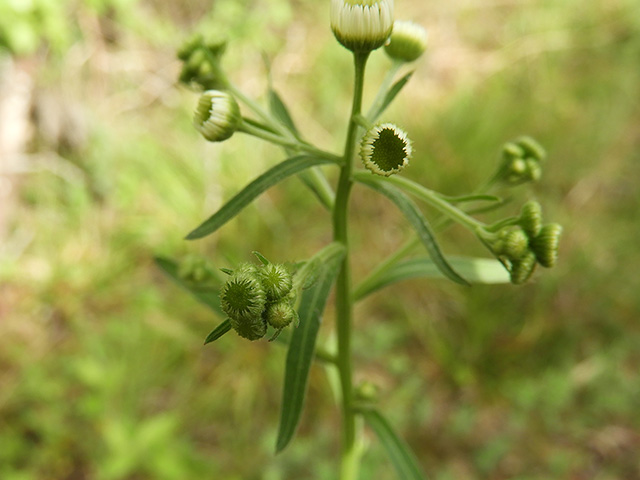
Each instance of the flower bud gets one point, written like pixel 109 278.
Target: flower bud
pixel 531 218
pixel 408 41
pixel 545 244
pixel 522 268
pixel 362 25
pixel 516 244
pixel 243 298
pixel 520 162
pixel 217 115
pixel 385 149
pixel 276 281
pixel 531 148
pixel 280 314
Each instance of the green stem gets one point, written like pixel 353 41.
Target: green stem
pixel 344 305
pixel 435 200
pixel 250 129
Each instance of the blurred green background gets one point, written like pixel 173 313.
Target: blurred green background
pixel 102 370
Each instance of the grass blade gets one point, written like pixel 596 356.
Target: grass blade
pixel 475 270
pixel 219 331
pixel 402 458
pixel 416 219
pixel 207 295
pixel 268 179
pixel 302 346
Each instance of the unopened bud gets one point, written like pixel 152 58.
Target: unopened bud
pixel 217 115
pixel 408 41
pixel 362 25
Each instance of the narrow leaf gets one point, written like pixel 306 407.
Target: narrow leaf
pixel 207 295
pixel 475 270
pixel 416 219
pixel 392 94
pixel 261 257
pixel 219 331
pixel 301 349
pixel 281 112
pixel 268 179
pixel 402 458
pixel 473 198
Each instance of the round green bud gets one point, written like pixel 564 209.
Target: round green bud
pixel 385 149
pixel 242 298
pixel 532 148
pixel 362 25
pixel 408 41
pixel 516 244
pixel 247 268
pixel 534 171
pixel 217 115
pixel 280 314
pixel 276 281
pixel 531 218
pixel 545 244
pixel 511 150
pixel 522 268
pixel 251 329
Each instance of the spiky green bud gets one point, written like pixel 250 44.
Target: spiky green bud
pixel 280 314
pixel 276 280
pixel 243 297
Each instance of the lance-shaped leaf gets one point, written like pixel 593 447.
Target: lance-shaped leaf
pixel 303 341
pixel 402 458
pixel 219 331
pixel 281 112
pixel 475 270
pixel 391 94
pixel 265 181
pixel 415 218
pixel 207 295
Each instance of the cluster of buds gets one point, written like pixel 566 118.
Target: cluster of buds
pixel 257 296
pixel 201 63
pixel 521 162
pixel 526 243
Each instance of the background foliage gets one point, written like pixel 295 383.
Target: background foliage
pixel 102 370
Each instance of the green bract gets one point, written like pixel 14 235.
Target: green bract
pixel 362 25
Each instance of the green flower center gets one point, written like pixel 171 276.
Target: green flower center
pixel 389 150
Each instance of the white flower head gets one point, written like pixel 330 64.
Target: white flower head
pixel 217 115
pixel 362 25
pixel 385 149
pixel 408 41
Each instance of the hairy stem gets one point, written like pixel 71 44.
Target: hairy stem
pixel 344 305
